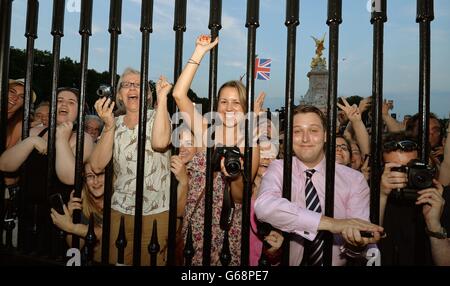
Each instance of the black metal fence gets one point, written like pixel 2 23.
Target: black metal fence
pixel 26 247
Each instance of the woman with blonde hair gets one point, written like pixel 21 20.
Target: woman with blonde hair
pixel 231 109
pixel 90 203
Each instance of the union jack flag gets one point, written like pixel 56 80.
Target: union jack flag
pixel 262 68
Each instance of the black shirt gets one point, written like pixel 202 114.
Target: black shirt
pixel 406 242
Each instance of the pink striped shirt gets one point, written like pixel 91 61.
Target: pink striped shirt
pixel 351 200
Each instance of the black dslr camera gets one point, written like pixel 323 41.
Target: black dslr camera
pixel 232 160
pixel 420 176
pixel 105 90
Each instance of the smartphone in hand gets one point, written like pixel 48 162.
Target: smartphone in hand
pixel 57 203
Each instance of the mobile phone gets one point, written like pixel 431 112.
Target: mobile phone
pixel 369 234
pixel 57 203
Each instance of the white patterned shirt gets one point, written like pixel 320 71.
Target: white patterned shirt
pixel 156 173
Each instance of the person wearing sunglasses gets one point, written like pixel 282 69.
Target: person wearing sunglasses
pixel 416 226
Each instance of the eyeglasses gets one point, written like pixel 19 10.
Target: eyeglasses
pixel 127 84
pixel 405 145
pixel 92 177
pixel 342 146
pixel 91 129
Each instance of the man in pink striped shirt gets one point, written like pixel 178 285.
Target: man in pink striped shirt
pixel 351 202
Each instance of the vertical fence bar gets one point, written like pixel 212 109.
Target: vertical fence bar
pixel 31 35
pixel 154 247
pixel 425 14
pixel 85 32
pixel 57 33
pixel 121 243
pixel 91 240
pixel 215 19
pixel 377 20
pixel 115 19
pixel 146 29
pixel 179 26
pixel 5 33
pixel 252 23
pixel 333 21
pixel 292 21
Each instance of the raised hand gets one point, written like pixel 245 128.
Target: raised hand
pixel 64 131
pixel 365 168
pixel 385 108
pixel 40 144
pixel 392 179
pixel 259 102
pixel 364 104
pixel 204 44
pixel 353 113
pixel 433 205
pixel 104 107
pixel 178 168
pixel 163 87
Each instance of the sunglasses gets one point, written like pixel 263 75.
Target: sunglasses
pixel 405 145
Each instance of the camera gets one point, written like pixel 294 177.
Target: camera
pixel 232 160
pixel 264 229
pixel 420 176
pixel 105 90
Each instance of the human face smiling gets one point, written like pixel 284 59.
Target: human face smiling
pixel 130 91
pixel 435 132
pixel 42 115
pixel 92 127
pixel 15 99
pixel 229 108
pixel 356 157
pixel 187 146
pixel 67 107
pixel 342 151
pixel 95 182
pixel 309 138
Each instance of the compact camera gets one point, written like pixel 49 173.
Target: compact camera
pixel 105 90
pixel 232 160
pixel 420 176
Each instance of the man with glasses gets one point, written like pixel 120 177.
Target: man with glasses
pixel 416 225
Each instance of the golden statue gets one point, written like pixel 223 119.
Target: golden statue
pixel 318 60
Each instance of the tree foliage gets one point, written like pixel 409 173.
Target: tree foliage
pixel 70 75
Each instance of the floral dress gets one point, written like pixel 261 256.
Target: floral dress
pixel 196 169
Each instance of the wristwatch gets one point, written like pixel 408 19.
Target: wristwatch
pixel 438 234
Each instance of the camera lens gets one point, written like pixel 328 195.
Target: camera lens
pixel 233 168
pixel 104 90
pixel 421 179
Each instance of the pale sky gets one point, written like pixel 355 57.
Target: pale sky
pixel 401 50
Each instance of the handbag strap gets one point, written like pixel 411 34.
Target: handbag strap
pixel 196 204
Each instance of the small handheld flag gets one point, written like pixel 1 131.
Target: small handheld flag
pixel 262 68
